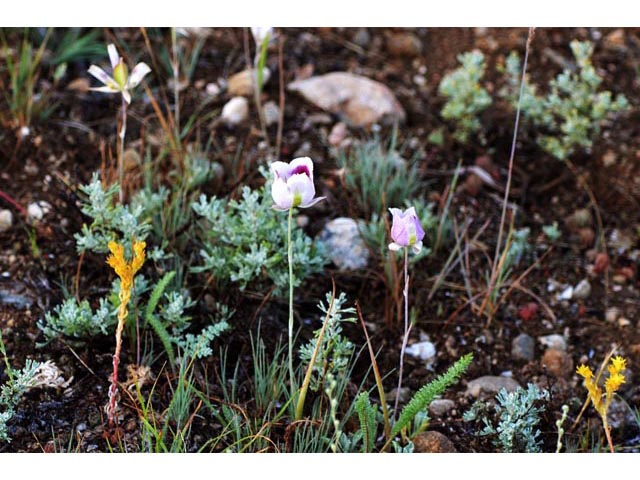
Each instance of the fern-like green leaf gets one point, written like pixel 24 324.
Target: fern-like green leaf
pixel 426 394
pixel 368 421
pixel 155 323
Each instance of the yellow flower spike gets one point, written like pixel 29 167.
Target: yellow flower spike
pixel 126 271
pixel 584 371
pixel 619 364
pixel 601 402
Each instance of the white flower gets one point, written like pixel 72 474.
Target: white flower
pixel 260 33
pixel 293 184
pixel 121 81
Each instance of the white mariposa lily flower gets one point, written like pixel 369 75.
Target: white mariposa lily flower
pixel 121 81
pixel 293 184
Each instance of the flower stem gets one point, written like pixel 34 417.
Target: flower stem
pixel 407 328
pixel 123 131
pixel 607 431
pixel 290 261
pixel 124 297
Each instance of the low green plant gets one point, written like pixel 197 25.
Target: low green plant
pixel 20 97
pixel 245 242
pixel 511 422
pixel 552 232
pixel 421 400
pixel 111 220
pixel 377 176
pixel 12 391
pixel 573 112
pixel 77 320
pixel 466 98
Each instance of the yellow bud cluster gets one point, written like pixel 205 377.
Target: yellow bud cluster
pixel 126 271
pixel 611 385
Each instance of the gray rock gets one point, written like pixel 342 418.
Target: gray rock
pixel 523 347
pixel 358 99
pixel 440 407
pixel 490 385
pixel 582 290
pixel 6 220
pixel 271 113
pixel 344 244
pixel 553 341
pixel 15 300
pixel 362 38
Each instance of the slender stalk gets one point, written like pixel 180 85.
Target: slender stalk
pixel 123 131
pixel 302 395
pixel 176 83
pixel 495 270
pixel 607 431
pixel 407 328
pixel 290 261
pixel 258 71
pixel 376 373
pixel 124 297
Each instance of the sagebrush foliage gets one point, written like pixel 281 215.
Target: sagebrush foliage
pixel 573 112
pixel 245 241
pixel 517 414
pixel 466 98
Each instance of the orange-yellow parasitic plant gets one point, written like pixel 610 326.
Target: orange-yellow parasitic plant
pixel 602 401
pixel 126 271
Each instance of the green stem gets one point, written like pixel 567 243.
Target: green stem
pixel 290 261
pixel 407 328
pixel 123 131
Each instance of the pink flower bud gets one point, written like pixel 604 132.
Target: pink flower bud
pixel 293 184
pixel 406 230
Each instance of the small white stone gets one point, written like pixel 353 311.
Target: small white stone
pixel 566 294
pixel 6 220
pixel 235 111
pixel 34 211
pixel 425 351
pixel 582 290
pixel 213 89
pixel 554 341
pixel 271 113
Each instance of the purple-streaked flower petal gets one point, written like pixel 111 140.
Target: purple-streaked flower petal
pixel 103 76
pixel 114 58
pixel 417 247
pixel 302 165
pixel 293 184
pixel 281 170
pixel 137 74
pixel 312 202
pixel 406 230
pixel 281 194
pixel 301 186
pixel 126 95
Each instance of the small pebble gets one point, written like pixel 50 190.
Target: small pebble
pixel 557 362
pixel 6 220
pixel 523 347
pixel 612 314
pixel 433 442
pixel 235 111
pixel 213 89
pixel 553 341
pixel 271 113
pixel 440 407
pixel 623 322
pixel 582 290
